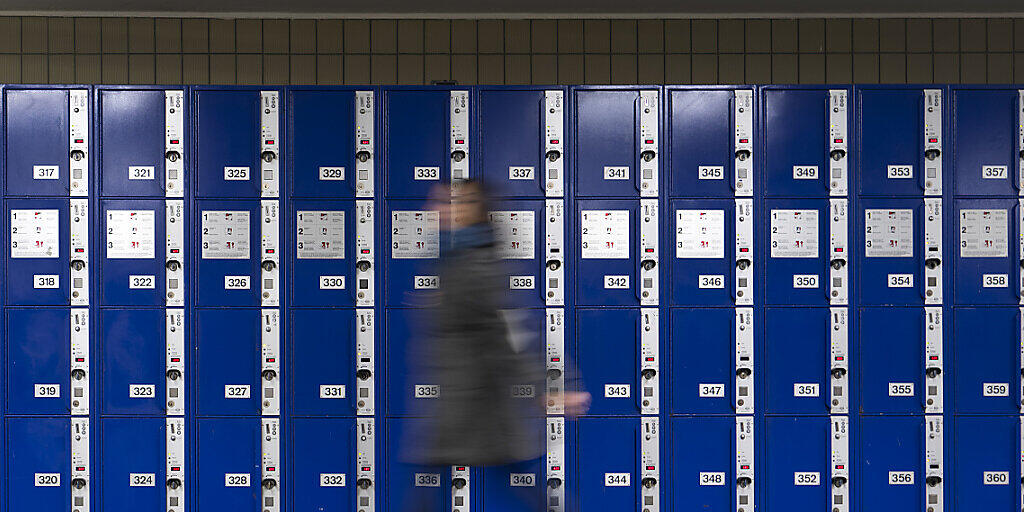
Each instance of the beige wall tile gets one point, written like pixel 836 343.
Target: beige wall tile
pixel 677 68
pixel 438 36
pixel 384 36
pixel 249 69
pixel 597 36
pixel 62 69
pixel 222 69
pixel 302 69
pixel 437 67
pixel 276 69
pixel 518 72
pixel 544 36
pixel 88 69
pixel 168 69
pixel 623 36
pixel 195 36
pixel 785 68
pixel 410 69
pixel 731 69
pixel 491 69
pixel 35 69
pixel 141 69
pixel 570 69
pixel 141 34
pixel 276 34
pixel 758 68
pixel 544 69
pixel 195 69
pixel 410 36
pixel 330 36
pixel 464 69
pixel 624 69
pixel 222 36
pixel 650 36
pixel 812 68
pixel 33 35
pixel 114 36
pixel 703 37
pixel 10 40
pixel 357 69
pixel 704 69
pixel 329 70
pixel 166 32
pixel 651 69
pixel 892 68
pixel 303 36
pixel 597 69
pixel 384 69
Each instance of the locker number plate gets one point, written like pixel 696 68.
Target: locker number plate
pixel 332 391
pixel 47 391
pixel 236 173
pixel 332 282
pixel 426 390
pixel 520 173
pixel 993 172
pixel 995 389
pixel 47 479
pixel 994 280
pixel 616 390
pixel 806 390
pixel 901 280
pixel 426 173
pixel 805 280
pixel 236 391
pixel 616 479
pixel 711 390
pixel 520 283
pixel 142 480
pixel 996 478
pixel 332 174
pixel 45 172
pixel 428 480
pixel 332 479
pixel 711 172
pixel 711 281
pixel 901 389
pixel 140 172
pixel 236 282
pixel 425 282
pixel 711 478
pixel 900 171
pixel 44 281
pixel 236 479
pixel 805 172
pixel 806 478
pixel 901 478
pixel 522 480
pixel 141 391
pixel 616 173
pixel 616 282
pixel 141 282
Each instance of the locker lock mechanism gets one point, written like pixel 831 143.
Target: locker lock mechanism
pixel 554 373
pixel 172 155
pixel 77 154
pixel 362 155
pixel 649 482
pixel 837 154
pixel 554 264
pixel 78 374
pixel 553 155
pixel 933 371
pixel 554 482
pixel 78 483
pixel 269 374
pixel 933 480
pixel 363 265
pixel 363 374
pixel 268 265
pixel 458 155
pixel 933 263
pixel 458 483
pixel 78 264
pixel 932 154
pixel 743 372
pixel 173 265
pixel 173 483
pixel 648 264
pixel 838 481
pixel 838 263
pixel 173 374
pixel 268 156
pixel 649 373
pixel 363 483
pixel 742 154
pixel 838 373
pixel 744 481
pixel 648 155
pixel 269 483
pixel 743 263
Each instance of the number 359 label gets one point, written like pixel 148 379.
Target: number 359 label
pixel 995 389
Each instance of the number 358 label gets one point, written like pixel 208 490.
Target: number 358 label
pixel 994 280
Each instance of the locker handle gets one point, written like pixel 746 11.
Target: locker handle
pixel 269 483
pixel 553 155
pixel 78 264
pixel 173 374
pixel 77 154
pixel 744 481
pixel 173 265
pixel 933 480
pixel 78 374
pixel 268 156
pixel 173 483
pixel 554 482
pixel 78 483
pixel 363 265
pixel 269 374
pixel 172 155
pixel 364 374
pixel 362 155
pixel 649 482
pixel 268 265
pixel 838 481
pixel 458 483
pixel 838 373
pixel 933 371
pixel 363 483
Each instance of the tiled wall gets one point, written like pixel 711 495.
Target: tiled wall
pixel 277 51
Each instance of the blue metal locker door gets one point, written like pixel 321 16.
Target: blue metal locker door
pixel 132 256
pixel 416 240
pixel 322 362
pixel 38 361
pixel 228 240
pixel 797 470
pixel 518 487
pixel 701 136
pixel 892 259
pixel 986 345
pixel 228 343
pixel 703 267
pixel 227 130
pixel 132 359
pixel 134 464
pixel 520 230
pixel 321 127
pixel 323 469
pixel 891 363
pixel 132 133
pixel 606 265
pixel 38 148
pixel 703 463
pixel 607 478
pixel 703 355
pixel 323 253
pixel 403 372
pixel 417 133
pixel 796 262
pixel 891 464
pixel 607 140
pixel 408 486
pixel 511 137
pixel 228 466
pixel 987 463
pixel 797 360
pixel 38 464
pixel 890 140
pixel 985 147
pixel 795 126
pixel 987 258
pixel 38 267
pixel 609 359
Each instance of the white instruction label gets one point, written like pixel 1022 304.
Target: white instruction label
pixel 604 234
pixel 889 233
pixel 700 233
pixel 35 233
pixel 320 235
pixel 225 235
pixel 131 234
pixel 794 233
pixel 983 233
pixel 415 234
pixel 515 233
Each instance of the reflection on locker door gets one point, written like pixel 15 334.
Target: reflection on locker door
pixel 39 361
pixel 796 269
pixel 610 142
pixel 408 486
pixel 988 257
pixel 704 265
pixel 518 226
pixel 37 271
pixel 323 469
pixel 797 470
pixel 987 354
pixel 607 269
pixel 892 463
pixel 703 463
pixel 800 139
pixel 37 127
pixel 891 153
pixel 39 462
pixel 323 271
pixel 894 253
pixel 797 360
pixel 134 464
pixel 227 144
pixel 702 132
pixel 416 240
pixel 892 362
pixel 228 466
pixel 322 363
pixel 132 258
pixel 321 128
pixel 133 359
pixel 985 144
pixel 607 479
pixel 987 466
pixel 417 132
pixel 228 355
pixel 609 355
pixel 228 267
pixel 520 140
pixel 132 136
pixel 703 361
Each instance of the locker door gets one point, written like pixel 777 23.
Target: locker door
pixel 609 358
pixel 987 465
pixel 796 269
pixel 228 343
pixel 403 366
pixel 228 466
pixel 892 259
pixel 985 131
pixel 511 140
pixel 39 361
pixel 703 361
pixel 987 259
pixel 38 462
pixel 323 466
pixel 987 351
pixel 703 463
pixel 519 227
pixel 132 475
pixel 705 247
pixel 892 473
pixel 321 127
pixel 796 142
pixel 607 138
pixel 416 239
pixel 131 141
pixel 409 486
pixel 37 141
pixel 132 262
pixel 797 473
pixel 797 362
pixel 38 266
pixel 607 478
pixel 324 251
pixel 227 142
pixel 132 357
pixel 322 360
pixel 606 270
pixel 518 487
pixel 891 362
pixel 890 141
pixel 417 141
pixel 228 266
pixel 701 132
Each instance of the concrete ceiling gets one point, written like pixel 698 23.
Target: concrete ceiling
pixel 516 8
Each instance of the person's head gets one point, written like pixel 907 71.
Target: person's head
pixel 463 205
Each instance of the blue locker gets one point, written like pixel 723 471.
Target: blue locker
pixel 417 239
pixel 40 253
pixel 796 268
pixel 520 228
pixel 321 128
pixel 38 463
pixel 606 265
pixel 795 125
pixel 892 448
pixel 39 361
pixel 131 127
pixel 890 134
pixel 323 250
pixel 36 128
pixel 133 252
pixel 417 131
pixel 322 354
pixel 703 268
pixel 986 346
pixel 133 465
pixel 796 475
pixel 227 130
pixel 409 486
pixel 511 130
pixel 226 449
pixel 607 479
pixel 402 367
pixel 892 353
pixel 797 360
pixel 987 263
pixel 893 252
pixel 132 359
pixel 702 372
pixel 322 450
pixel 228 343
pixel 221 238
pixel 703 462
pixel 607 141
pixel 608 348
pixel 519 487
pixel 985 147
pixel 701 132
pixel 987 474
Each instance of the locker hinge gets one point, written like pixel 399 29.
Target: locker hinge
pixel 364 143
pixel 174 143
